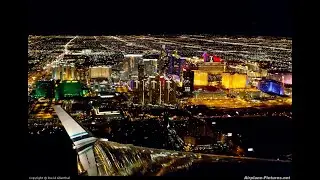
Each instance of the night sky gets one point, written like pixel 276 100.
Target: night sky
pixel 256 17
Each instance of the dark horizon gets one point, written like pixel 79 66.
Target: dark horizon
pixel 263 18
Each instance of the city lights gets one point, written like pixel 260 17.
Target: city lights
pixel 156 105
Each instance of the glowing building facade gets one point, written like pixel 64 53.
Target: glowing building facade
pixel 200 78
pixel 205 56
pixel 253 74
pixel 44 89
pixel 63 71
pixel 175 66
pixel 271 87
pixel 130 65
pixel 140 84
pixel 232 81
pixel 239 69
pixel 121 89
pixel 81 74
pixel 141 73
pixel 170 88
pixel 152 93
pixel 213 67
pixel 210 58
pixel 253 66
pixel 69 89
pixel 285 78
pixel 100 72
pixel 150 66
pixel 188 81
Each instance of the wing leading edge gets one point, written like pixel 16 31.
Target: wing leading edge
pixel 82 140
pixel 103 157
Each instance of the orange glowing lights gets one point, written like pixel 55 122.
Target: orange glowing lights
pixel 200 78
pixel 231 81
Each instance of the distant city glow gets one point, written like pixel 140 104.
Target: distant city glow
pixel 174 101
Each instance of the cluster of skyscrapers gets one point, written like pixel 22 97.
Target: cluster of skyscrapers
pixel 151 88
pixel 64 71
pixel 100 72
pixel 157 80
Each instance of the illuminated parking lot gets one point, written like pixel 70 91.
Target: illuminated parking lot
pixel 42 110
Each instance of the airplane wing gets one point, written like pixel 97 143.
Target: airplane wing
pixel 82 140
pixel 100 157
